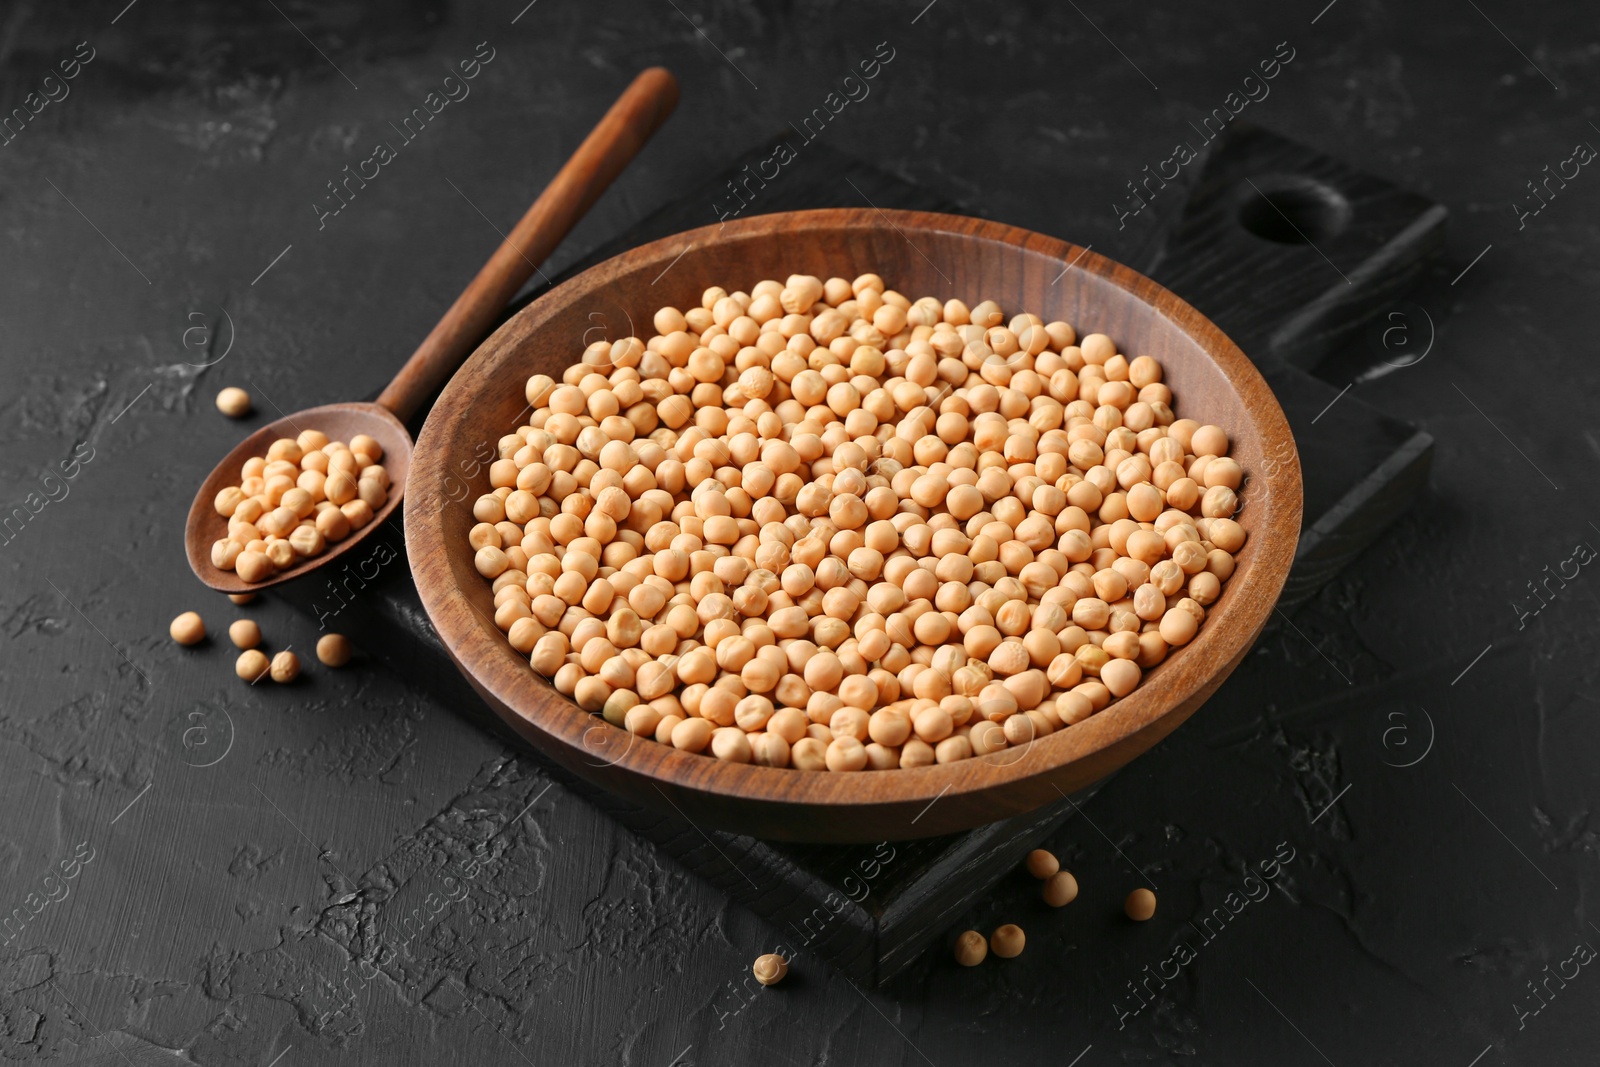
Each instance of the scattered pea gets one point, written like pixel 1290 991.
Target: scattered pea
pixel 233 402
pixel 1042 864
pixel 285 666
pixel 245 633
pixel 770 969
pixel 252 664
pixel 188 628
pixel 1141 903
pixel 334 650
pixel 1007 941
pixel 971 948
pixel 1060 889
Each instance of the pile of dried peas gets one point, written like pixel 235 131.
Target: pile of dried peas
pixel 820 525
pixel 306 492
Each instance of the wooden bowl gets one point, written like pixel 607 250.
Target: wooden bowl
pixel 917 254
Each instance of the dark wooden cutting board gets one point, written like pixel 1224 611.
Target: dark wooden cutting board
pixel 1289 251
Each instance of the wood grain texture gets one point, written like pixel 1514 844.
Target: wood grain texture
pixel 922 253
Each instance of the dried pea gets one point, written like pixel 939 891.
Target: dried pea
pixel 1007 941
pixel 770 969
pixel 244 633
pixel 971 948
pixel 188 628
pixel 233 402
pixel 1140 905
pixel 285 667
pixel 251 664
pixel 1060 889
pixel 1042 864
pixel 334 650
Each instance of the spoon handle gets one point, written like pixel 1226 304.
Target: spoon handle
pixel 610 146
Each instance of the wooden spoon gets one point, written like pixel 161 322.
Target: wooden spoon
pixel 636 115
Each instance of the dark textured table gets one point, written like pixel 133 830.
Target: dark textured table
pixel 1373 846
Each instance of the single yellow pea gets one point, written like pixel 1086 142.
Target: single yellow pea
pixel 188 628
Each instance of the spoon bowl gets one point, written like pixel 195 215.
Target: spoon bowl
pixel 340 422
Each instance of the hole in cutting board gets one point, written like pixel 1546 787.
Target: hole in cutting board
pixel 1292 210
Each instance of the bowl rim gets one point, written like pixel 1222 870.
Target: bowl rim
pixel 529 702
